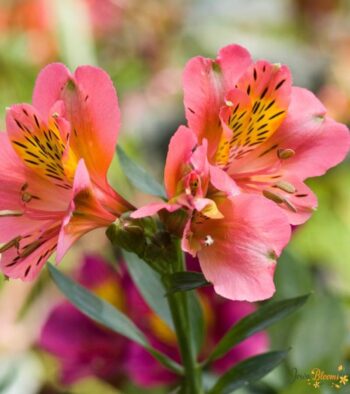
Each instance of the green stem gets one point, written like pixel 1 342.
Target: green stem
pixel 178 303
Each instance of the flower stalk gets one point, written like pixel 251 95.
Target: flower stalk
pixel 178 304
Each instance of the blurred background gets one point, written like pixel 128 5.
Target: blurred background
pixel 144 46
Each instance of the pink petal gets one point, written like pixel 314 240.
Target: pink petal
pixel 92 107
pixel 29 266
pixel 153 208
pixel 49 86
pixel 85 214
pixel 21 177
pixel 179 154
pixel 205 83
pixel 319 142
pixel 17 179
pixel 202 99
pixel 253 111
pixel 14 226
pixel 223 182
pixel 199 159
pixel 91 104
pixel 241 260
pixel 233 61
pixel 40 145
pixel 265 82
pixel 11 166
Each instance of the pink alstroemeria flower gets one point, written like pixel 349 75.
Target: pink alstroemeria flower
pixel 237 237
pixel 53 167
pixel 266 134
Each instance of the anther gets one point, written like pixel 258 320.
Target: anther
pixel 284 154
pixel 26 197
pixel 229 103
pixel 273 196
pixel 13 243
pixel 319 117
pixel 9 213
pixel 290 205
pixel 286 186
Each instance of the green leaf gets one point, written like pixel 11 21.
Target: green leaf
pixel 104 313
pixel 150 286
pixel 196 321
pixel 186 280
pixel 248 371
pixel 264 317
pixel 139 177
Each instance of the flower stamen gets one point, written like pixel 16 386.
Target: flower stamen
pixel 284 154
pixel 286 187
pixel 13 243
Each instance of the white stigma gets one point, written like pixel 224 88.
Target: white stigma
pixel 208 240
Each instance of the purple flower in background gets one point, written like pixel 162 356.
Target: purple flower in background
pixel 85 348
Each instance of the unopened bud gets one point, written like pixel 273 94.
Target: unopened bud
pixel 127 236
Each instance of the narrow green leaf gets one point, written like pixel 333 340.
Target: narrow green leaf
pixel 248 371
pixel 150 286
pixel 104 313
pixel 196 321
pixel 186 280
pixel 139 177
pixel 264 317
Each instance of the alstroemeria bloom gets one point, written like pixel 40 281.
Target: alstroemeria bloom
pixel 237 237
pixel 53 167
pixel 267 135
